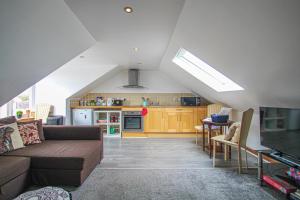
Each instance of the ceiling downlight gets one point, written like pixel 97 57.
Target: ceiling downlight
pixel 128 9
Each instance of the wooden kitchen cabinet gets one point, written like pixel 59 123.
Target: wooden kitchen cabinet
pixel 179 120
pixel 187 121
pixel 201 113
pixel 154 121
pixel 173 120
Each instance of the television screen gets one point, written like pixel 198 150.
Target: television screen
pixel 280 130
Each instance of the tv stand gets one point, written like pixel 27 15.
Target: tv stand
pixel 278 156
pixel 285 159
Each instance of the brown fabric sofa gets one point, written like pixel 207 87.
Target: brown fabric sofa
pixel 14 176
pixel 66 157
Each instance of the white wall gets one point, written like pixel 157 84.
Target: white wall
pixel 69 79
pixel 36 38
pixel 253 140
pixel 154 81
pixel 3 111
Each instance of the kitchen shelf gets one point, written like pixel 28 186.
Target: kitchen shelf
pixel 111 122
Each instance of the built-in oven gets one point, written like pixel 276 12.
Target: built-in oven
pixel 132 121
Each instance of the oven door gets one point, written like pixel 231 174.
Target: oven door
pixel 133 123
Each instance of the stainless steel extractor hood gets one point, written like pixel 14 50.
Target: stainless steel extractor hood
pixel 133 79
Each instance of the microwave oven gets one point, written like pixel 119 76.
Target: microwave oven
pixel 190 101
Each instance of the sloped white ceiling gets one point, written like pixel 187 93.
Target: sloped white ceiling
pixel 36 37
pixel 149 28
pixel 253 42
pixel 74 76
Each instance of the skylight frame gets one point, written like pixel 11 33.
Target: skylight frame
pixel 204 72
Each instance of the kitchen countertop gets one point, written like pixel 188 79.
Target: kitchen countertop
pixel 120 107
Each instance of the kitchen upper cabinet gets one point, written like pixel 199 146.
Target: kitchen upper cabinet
pixel 154 121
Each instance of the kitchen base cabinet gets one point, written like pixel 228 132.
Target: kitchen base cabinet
pixel 153 121
pixel 187 121
pixel 173 120
pixel 179 120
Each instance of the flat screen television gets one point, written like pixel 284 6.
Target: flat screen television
pixel 280 130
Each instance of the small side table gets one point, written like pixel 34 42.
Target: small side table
pixel 210 124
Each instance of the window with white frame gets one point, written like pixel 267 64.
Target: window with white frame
pixel 204 72
pixel 22 102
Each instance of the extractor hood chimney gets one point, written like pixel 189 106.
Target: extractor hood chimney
pixel 133 79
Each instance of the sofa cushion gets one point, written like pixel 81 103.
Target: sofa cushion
pixel 39 124
pixel 7 120
pixel 61 154
pixel 11 167
pixel 29 133
pixel 10 138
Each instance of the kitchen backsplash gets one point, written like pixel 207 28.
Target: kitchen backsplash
pixel 135 99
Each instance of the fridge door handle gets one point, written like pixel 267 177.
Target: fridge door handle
pixel 84 116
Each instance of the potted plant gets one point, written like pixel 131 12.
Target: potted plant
pixel 19 114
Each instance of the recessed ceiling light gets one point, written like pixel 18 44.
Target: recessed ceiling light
pixel 136 49
pixel 128 9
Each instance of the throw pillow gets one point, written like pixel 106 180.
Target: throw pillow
pixel 10 138
pixel 5 139
pixel 29 133
pixel 236 137
pixel 39 127
pixel 232 130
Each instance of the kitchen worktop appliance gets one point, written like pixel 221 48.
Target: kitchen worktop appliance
pixel 190 101
pixel 117 102
pixel 132 121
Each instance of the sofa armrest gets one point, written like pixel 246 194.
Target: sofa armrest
pixel 72 132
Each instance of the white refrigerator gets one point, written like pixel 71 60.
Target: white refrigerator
pixel 82 117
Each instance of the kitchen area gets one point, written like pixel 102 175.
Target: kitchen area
pixel 128 105
pixel 134 115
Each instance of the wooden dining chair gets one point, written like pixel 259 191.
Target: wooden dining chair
pixel 241 144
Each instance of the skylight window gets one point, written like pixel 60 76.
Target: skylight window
pixel 204 72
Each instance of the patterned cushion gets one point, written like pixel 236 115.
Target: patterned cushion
pixel 46 193
pixel 29 133
pixel 39 126
pixel 5 139
pixel 10 138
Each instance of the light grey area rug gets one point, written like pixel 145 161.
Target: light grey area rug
pixel 163 169
pixel 206 184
